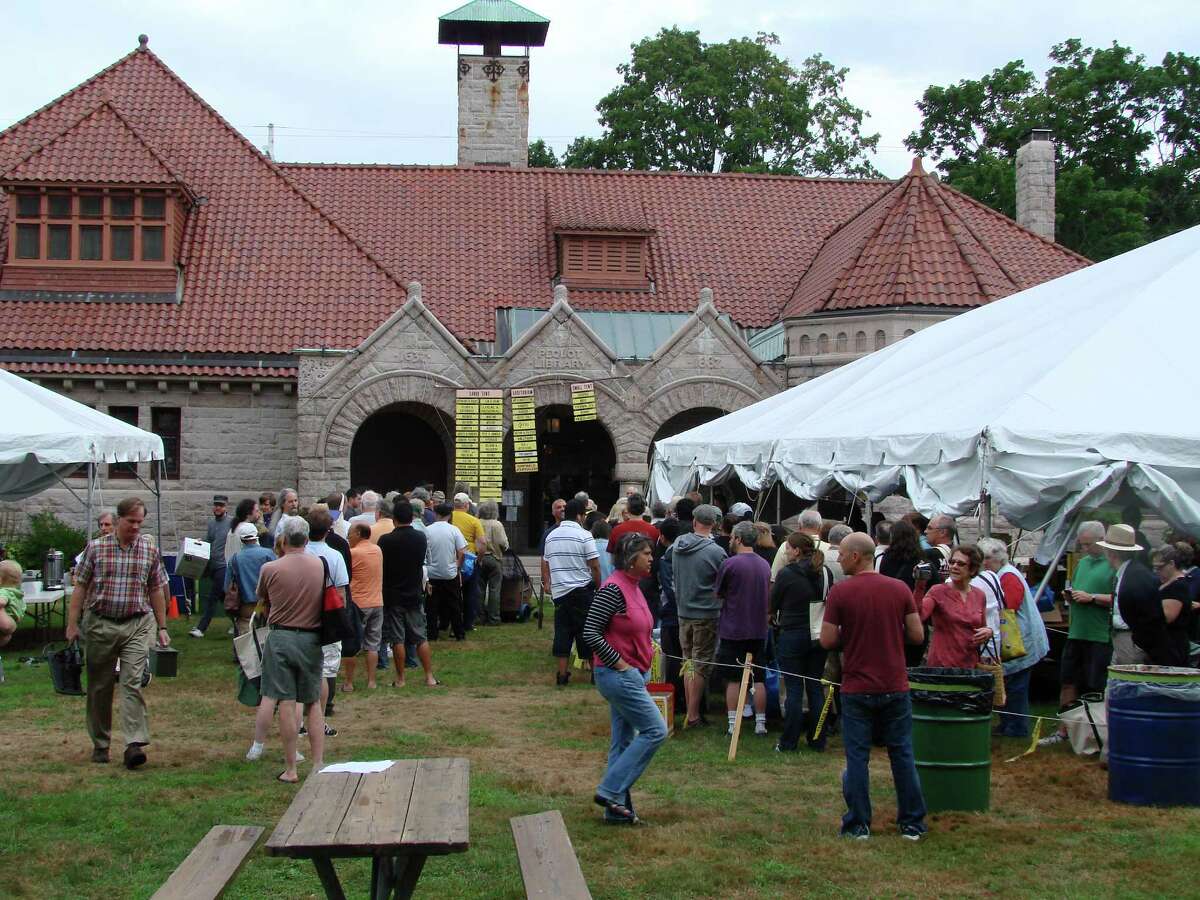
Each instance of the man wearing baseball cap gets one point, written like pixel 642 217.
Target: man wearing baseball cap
pixel 241 575
pixel 217 532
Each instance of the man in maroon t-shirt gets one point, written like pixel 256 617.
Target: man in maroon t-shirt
pixel 869 616
pixel 632 521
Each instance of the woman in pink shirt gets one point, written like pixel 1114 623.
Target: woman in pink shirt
pixel 957 611
pixel 617 631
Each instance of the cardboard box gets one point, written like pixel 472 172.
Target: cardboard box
pixel 193 558
pixel 663 696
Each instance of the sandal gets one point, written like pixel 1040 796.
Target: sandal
pixel 615 813
pixel 347 689
pixel 280 777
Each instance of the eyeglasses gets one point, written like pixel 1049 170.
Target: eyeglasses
pixel 958 562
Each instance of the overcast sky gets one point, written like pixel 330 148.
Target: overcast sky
pixel 366 81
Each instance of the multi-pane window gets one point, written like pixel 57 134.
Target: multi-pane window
pixel 166 422
pixel 91 225
pixel 128 415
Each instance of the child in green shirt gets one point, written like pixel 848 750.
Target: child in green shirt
pixel 12 600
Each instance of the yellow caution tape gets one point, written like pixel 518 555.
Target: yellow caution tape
pixel 1033 743
pixel 828 685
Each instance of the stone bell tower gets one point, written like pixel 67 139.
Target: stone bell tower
pixel 493 89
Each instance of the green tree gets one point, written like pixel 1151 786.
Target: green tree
pixel 734 107
pixel 542 156
pixel 1126 134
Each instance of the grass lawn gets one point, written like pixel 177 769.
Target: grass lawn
pixel 765 826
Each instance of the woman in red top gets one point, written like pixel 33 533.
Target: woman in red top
pixel 618 630
pixel 956 610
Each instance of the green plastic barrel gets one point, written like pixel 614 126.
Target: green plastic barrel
pixel 952 742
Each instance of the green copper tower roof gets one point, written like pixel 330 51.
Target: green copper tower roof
pixel 493 23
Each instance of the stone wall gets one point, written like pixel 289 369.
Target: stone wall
pixel 237 438
pixel 493 110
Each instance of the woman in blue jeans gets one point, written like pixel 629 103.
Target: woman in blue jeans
pixel 1014 718
pixel 617 631
pixel 798 588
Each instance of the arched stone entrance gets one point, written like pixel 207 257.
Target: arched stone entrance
pixel 681 422
pixel 400 446
pixel 572 456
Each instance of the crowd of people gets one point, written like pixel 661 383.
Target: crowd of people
pixel 842 613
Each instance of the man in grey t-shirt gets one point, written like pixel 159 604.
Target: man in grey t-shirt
pixel 446 547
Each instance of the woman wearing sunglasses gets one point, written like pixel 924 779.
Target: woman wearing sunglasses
pixel 956 611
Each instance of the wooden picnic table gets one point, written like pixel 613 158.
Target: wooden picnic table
pixel 415 809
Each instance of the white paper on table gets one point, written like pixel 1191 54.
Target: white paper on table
pixel 359 768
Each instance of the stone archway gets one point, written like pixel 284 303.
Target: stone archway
pixel 681 422
pixel 400 446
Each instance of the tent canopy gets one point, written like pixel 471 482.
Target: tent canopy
pixel 1047 400
pixel 46 436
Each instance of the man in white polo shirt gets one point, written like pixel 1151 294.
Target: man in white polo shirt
pixel 571 565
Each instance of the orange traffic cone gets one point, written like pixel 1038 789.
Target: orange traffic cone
pixel 173 608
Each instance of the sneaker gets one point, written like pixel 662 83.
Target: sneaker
pixel 255 752
pixel 196 633
pixel 330 732
pixel 859 834
pixel 760 728
pixel 303 730
pixel 299 757
pixel 911 834
pixel 1057 738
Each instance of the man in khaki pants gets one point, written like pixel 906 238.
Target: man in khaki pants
pixel 122 580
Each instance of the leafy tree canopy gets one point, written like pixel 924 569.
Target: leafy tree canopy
pixel 1127 137
pixel 732 107
pixel 542 155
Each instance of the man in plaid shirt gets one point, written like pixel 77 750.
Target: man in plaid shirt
pixel 122 584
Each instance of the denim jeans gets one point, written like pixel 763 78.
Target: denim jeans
pixel 637 730
pixel 1016 690
pixel 891 715
pixel 799 653
pixel 470 591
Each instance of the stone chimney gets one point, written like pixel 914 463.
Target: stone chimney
pixel 493 89
pixel 1035 182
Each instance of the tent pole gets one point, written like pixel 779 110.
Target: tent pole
pixel 779 503
pixel 1050 569
pixel 91 483
pixel 985 515
pixel 156 467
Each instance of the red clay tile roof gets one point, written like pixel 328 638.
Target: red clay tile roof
pixel 265 270
pixel 478 238
pixel 921 245
pixel 101 147
pixel 281 257
pixel 601 206
pixel 139 370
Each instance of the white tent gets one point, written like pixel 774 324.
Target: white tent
pixel 44 436
pixel 1047 401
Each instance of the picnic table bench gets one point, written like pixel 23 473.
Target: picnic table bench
pixel 549 867
pixel 213 863
pixel 398 817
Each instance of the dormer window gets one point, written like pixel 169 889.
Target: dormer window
pixel 599 260
pixel 124 227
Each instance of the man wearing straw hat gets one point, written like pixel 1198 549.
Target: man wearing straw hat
pixel 1139 628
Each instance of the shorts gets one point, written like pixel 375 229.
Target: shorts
pixel 570 612
pixel 733 653
pixel 292 666
pixel 1085 665
pixel 404 625
pixel 372 628
pixel 698 640
pixel 331 659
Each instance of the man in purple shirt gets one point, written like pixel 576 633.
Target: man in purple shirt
pixel 743 584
